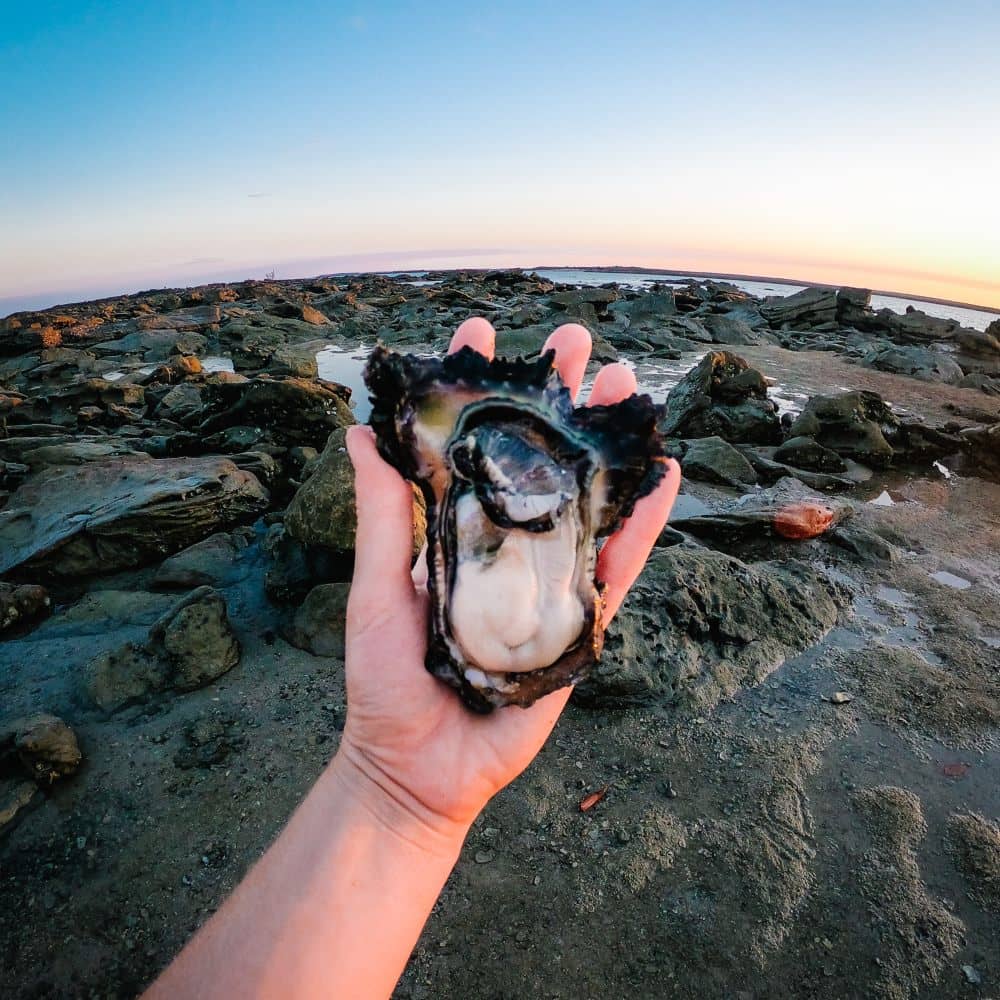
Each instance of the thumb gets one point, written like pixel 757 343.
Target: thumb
pixel 384 544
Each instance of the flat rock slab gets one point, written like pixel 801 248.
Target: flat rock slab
pixel 110 515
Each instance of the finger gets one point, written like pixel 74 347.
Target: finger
pixel 476 333
pixel 571 342
pixel 612 384
pixel 625 552
pixel 419 571
pixel 384 541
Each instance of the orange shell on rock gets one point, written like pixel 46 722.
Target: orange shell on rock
pixel 799 521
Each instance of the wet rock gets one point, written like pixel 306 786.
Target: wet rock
pixel 318 625
pixel 713 460
pixel 808 307
pixel 646 308
pixel 190 646
pixel 769 471
pixel 210 562
pixel 853 424
pixel 293 360
pixel 722 396
pixel 294 567
pixel 112 514
pixel 19 605
pixel 322 512
pixel 698 625
pixel 916 325
pixel 808 453
pixel 754 515
pixel 866 545
pixel 294 411
pixel 917 362
pixel 43 745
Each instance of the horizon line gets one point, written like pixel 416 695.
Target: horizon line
pixel 609 269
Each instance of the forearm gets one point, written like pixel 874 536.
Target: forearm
pixel 333 909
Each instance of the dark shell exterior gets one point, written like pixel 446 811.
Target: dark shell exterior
pixel 506 433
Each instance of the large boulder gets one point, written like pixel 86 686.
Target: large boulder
pixel 294 411
pixel 810 307
pixel 722 396
pixel 118 513
pixel 698 625
pixel 855 425
pixel 322 513
pixel 190 646
pixel 726 329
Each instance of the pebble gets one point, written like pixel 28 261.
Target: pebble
pixel 840 698
pixel 484 857
pixel 972 975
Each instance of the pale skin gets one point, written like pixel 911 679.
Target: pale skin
pixel 335 906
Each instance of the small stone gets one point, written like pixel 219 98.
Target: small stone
pixel 840 698
pixel 972 975
pixel 484 857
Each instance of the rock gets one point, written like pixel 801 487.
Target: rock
pixel 646 308
pixel 209 562
pixel 722 396
pixel 983 343
pixel 190 646
pixel 318 625
pixel 853 305
pixel 195 318
pixel 292 360
pixel 726 329
pixel 182 403
pixel 314 316
pixel 294 411
pixel 984 383
pixel 112 514
pixel 915 324
pixel 806 308
pixel 757 515
pixel 698 625
pixel 15 797
pixel 917 362
pixel 713 460
pixel 975 844
pixel 982 444
pixel 808 453
pixel 322 512
pixel 853 424
pixel 770 471
pixel 22 604
pixel 43 745
pixel 866 545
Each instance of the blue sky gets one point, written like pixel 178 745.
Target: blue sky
pixel 167 143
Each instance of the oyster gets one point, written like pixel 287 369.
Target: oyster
pixel 520 485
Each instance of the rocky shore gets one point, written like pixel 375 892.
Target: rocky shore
pixel 794 726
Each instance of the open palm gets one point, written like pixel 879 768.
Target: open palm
pixel 405 730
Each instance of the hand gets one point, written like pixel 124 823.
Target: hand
pixel 410 747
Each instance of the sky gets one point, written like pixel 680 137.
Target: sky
pixel 177 142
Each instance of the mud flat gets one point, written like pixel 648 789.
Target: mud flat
pixel 796 719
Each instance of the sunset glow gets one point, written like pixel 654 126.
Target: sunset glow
pixel 863 150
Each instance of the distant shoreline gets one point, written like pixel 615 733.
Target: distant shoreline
pixel 620 269
pixel 29 303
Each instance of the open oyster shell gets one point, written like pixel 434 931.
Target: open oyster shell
pixel 520 485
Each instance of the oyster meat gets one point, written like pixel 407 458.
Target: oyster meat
pixel 520 486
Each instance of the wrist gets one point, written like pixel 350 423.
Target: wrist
pixel 391 807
